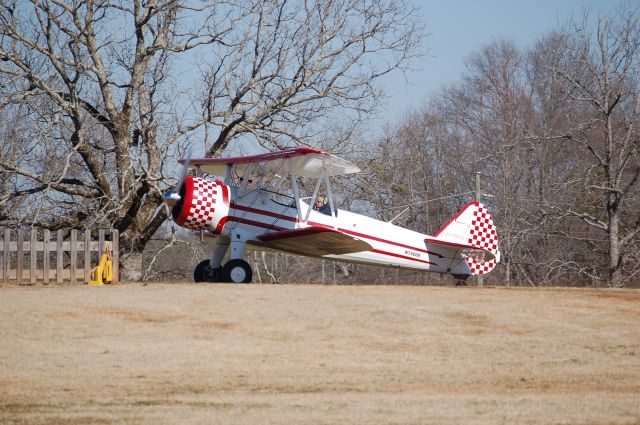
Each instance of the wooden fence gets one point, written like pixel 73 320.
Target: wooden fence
pixel 34 255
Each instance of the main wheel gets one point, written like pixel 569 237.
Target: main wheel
pixel 237 271
pixel 205 273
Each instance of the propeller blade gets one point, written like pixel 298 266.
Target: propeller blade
pixel 157 210
pixel 172 197
pixel 185 169
pixel 167 211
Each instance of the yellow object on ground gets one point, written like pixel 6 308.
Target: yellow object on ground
pixel 104 269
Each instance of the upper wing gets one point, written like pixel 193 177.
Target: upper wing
pixel 313 241
pixel 306 162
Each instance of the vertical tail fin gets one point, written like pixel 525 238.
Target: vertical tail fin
pixel 473 226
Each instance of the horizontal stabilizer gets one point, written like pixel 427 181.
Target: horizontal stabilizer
pixel 466 249
pixel 313 241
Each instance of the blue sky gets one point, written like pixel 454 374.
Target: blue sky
pixel 459 27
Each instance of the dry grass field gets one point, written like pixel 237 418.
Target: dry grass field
pixel 287 354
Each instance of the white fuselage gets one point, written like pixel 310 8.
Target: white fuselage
pixel 254 213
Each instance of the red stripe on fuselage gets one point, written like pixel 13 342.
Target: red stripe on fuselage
pixel 295 220
pixel 263 212
pixel 254 223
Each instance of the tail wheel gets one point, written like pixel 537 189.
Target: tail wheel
pixel 461 279
pixel 205 273
pixel 237 271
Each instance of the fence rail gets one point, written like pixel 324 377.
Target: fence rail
pixel 38 255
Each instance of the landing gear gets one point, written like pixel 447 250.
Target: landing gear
pixel 205 273
pixel 461 279
pixel 237 271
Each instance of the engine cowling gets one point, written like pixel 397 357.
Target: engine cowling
pixel 203 205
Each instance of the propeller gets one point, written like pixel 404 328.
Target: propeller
pixel 171 197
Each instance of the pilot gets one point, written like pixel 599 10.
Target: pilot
pixel 322 206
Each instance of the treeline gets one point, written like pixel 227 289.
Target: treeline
pixel 96 106
pixel 553 130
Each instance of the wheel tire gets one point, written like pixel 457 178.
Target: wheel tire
pixel 204 273
pixel 237 271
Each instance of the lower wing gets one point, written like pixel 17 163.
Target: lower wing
pixel 313 241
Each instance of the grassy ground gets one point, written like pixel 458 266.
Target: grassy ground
pixel 286 354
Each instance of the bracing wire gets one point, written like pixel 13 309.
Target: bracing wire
pixel 406 206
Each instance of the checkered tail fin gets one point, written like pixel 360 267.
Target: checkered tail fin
pixel 473 227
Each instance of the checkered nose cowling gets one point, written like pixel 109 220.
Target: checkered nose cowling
pixel 204 204
pixel 482 235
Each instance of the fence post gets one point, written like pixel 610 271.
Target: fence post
pixel 87 255
pixel 100 242
pixel 115 246
pixel 20 256
pixel 6 254
pixel 74 255
pixel 46 238
pixel 59 256
pixel 33 256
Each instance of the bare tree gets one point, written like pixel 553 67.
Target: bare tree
pixel 598 75
pixel 111 92
pixel 555 133
pixel 303 67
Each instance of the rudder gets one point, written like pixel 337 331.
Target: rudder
pixel 473 225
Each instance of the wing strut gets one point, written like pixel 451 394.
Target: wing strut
pixel 228 179
pixel 313 198
pixel 294 185
pixel 330 195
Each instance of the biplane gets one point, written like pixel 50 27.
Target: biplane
pixel 256 202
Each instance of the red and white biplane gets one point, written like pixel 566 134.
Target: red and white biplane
pixel 255 203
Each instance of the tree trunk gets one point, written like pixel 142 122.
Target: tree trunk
pixel 615 276
pixel 507 262
pixel 131 266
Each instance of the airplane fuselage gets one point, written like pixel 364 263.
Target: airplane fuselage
pixel 254 213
